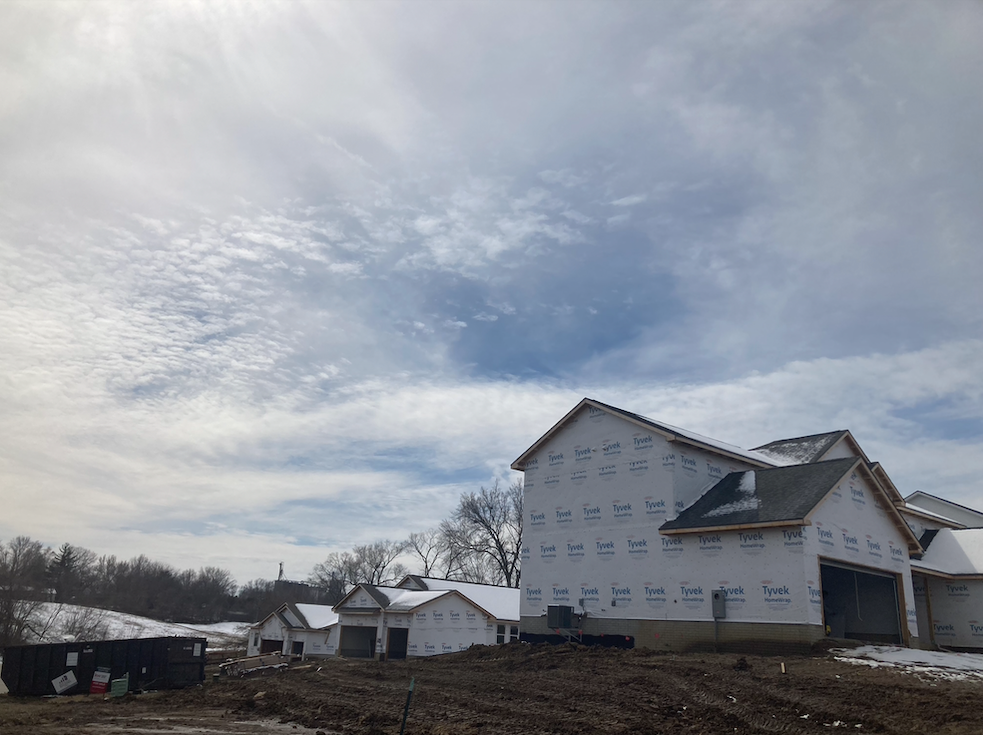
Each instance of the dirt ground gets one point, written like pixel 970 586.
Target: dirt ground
pixel 530 690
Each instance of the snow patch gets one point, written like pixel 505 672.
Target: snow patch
pixel 945 665
pixel 55 622
pixel 750 501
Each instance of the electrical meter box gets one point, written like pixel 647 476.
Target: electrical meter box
pixel 718 601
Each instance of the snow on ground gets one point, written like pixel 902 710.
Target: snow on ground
pixel 932 664
pixel 55 622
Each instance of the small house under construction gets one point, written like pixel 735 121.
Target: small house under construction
pixel 420 616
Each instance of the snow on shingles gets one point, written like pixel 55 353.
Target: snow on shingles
pixel 317 616
pixel 750 500
pixel 501 602
pixel 795 451
pixel 936 664
pixel 954 551
pixel 401 600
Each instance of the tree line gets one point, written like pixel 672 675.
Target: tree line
pixel 480 542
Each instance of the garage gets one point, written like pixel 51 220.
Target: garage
pixel 357 641
pixel 860 603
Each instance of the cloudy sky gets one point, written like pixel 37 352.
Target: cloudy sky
pixel 276 279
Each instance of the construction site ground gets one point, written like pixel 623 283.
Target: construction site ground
pixel 531 689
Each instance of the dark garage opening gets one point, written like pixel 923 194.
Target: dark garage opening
pixel 268 645
pixel 860 604
pixel 398 639
pixel 357 642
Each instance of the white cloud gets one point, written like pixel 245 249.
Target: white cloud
pixel 236 242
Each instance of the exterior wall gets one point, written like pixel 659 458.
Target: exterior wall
pixel 957 612
pixel 317 643
pixel 271 629
pixel 445 625
pixel 698 635
pixel 840 450
pixel 919 585
pixel 596 495
pixel 852 525
pixel 919 525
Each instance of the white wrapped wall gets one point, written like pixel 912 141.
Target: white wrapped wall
pixel 596 495
pixel 956 604
pixel 852 525
pixel 445 625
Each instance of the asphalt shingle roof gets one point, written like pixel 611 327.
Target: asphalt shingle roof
pixel 763 496
pixel 801 449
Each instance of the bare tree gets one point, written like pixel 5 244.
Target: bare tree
pixel 485 534
pixel 23 586
pixel 432 550
pixel 370 563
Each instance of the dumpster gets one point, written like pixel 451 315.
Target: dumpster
pixel 69 668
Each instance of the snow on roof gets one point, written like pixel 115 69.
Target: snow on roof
pixel 501 602
pixel 401 600
pixel 692 436
pixel 317 616
pixel 748 501
pixel 954 551
pixel 800 450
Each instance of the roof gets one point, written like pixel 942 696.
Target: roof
pixel 802 449
pixel 763 497
pixel 670 432
pixel 317 617
pixel 406 600
pixel 502 603
pixel 969 516
pixel 927 514
pixel 954 552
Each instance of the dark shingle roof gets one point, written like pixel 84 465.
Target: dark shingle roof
pixel 802 449
pixel 763 496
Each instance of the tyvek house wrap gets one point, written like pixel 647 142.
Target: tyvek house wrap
pixel 956 602
pixel 596 494
pixel 853 525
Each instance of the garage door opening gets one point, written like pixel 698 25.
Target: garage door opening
pixel 269 645
pixel 357 642
pixel 860 604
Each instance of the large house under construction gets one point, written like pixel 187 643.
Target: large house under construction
pixel 647 533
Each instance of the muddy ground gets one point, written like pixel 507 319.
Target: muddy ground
pixel 532 689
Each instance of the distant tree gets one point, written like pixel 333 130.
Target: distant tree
pixel 431 549
pixel 485 534
pixel 257 599
pixel 70 572
pixel 23 586
pixel 370 563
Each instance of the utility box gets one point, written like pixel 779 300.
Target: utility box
pixel 559 616
pixel 718 601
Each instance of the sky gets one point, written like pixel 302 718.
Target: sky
pixel 281 278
